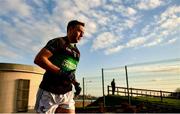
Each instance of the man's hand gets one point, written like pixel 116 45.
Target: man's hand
pixel 68 75
pixel 77 88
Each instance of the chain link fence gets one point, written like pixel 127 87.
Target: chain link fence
pixel 159 76
pixel 155 79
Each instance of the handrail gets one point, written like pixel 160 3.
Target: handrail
pixel 145 92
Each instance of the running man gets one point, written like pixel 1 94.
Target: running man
pixel 59 58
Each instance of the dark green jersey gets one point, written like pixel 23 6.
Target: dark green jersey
pixel 66 56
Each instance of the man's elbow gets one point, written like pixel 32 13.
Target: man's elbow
pixel 36 61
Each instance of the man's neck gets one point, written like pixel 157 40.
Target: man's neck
pixel 68 42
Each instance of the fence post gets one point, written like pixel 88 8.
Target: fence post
pixel 137 94
pixel 103 87
pixel 161 96
pixel 118 91
pixel 83 94
pixel 108 89
pixel 125 91
pixel 127 85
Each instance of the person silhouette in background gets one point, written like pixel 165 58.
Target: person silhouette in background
pixel 113 85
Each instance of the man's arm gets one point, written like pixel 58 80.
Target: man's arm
pixel 42 60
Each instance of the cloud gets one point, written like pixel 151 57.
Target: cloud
pixel 107 19
pixel 129 23
pixel 123 10
pixel 130 44
pixel 149 4
pixel 154 33
pixel 131 11
pixel 28 33
pixel 153 43
pixel 22 35
pixel 27 26
pixel 162 30
pixel 170 19
pixel 171 41
pixel 85 6
pixel 104 40
pixel 17 6
pixel 133 43
pixel 8 53
pixel 114 50
pixel 136 42
pixel 77 10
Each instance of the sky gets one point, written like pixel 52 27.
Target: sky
pixel 117 32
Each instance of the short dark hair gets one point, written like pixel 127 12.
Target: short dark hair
pixel 73 23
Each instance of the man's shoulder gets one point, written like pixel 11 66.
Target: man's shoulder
pixel 59 40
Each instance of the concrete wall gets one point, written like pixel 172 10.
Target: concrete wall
pixel 9 74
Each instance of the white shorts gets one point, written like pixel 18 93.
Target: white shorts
pixel 47 102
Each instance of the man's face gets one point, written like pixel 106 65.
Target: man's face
pixel 75 33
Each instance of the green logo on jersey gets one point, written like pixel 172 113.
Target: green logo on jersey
pixel 69 64
pixel 66 63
